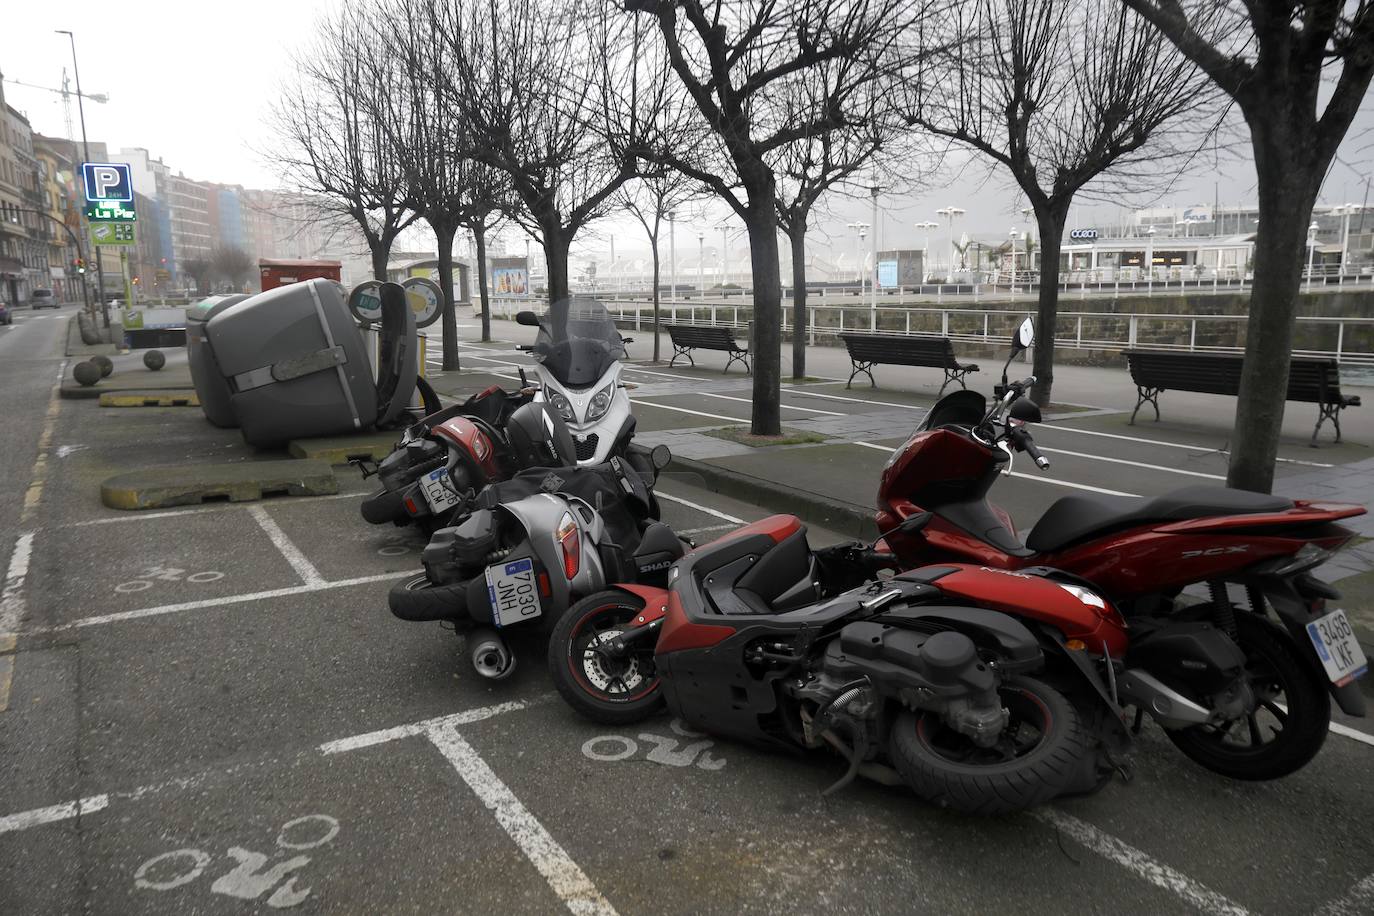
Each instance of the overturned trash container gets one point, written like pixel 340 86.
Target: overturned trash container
pixel 296 365
pixel 211 387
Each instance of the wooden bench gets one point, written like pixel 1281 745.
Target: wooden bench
pixel 868 350
pixel 1312 380
pixel 687 337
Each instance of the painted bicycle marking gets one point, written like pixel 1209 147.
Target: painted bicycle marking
pixel 665 750
pixel 151 575
pixel 252 876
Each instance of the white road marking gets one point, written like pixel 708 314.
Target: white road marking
pixel 837 397
pixel 1348 732
pixel 123 616
pixel 726 397
pixel 1357 901
pixel 704 530
pixel 303 567
pixel 25 819
pixel 700 508
pixel 1036 477
pixel 199 510
pixel 382 736
pixel 12 595
pixel 1134 464
pixel 1192 448
pixel 697 413
pixel 1157 873
pixel 564 876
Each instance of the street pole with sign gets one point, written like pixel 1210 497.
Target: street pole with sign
pixel 86 157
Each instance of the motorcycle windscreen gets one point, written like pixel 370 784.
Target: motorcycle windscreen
pixel 398 355
pixel 958 408
pixel 578 342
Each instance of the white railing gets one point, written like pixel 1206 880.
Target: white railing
pixel 1348 339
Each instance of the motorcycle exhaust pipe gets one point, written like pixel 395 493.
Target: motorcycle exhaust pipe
pixel 489 653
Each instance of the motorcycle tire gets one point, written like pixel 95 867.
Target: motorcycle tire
pixel 587 681
pixel 937 762
pixel 1272 660
pixel 384 506
pixel 418 599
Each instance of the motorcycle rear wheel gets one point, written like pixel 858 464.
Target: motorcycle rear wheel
pixel 612 691
pixel 1291 695
pixel 417 599
pixel 1039 754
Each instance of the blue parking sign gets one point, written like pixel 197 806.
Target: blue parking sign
pixel 107 181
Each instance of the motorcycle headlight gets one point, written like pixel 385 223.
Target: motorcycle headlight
pixel 601 402
pixel 1091 599
pixel 560 404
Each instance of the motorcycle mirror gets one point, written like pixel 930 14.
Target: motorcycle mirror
pixel 531 320
pixel 1024 337
pixel 1025 410
pixel 909 525
pixel 661 457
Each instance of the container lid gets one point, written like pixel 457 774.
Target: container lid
pixel 206 309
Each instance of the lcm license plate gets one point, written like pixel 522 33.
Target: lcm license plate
pixel 1337 647
pixel 514 592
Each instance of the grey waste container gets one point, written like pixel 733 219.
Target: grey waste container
pixel 211 387
pixel 295 364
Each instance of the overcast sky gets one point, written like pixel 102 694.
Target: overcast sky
pixel 193 88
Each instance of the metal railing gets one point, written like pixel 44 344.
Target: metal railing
pixel 1350 340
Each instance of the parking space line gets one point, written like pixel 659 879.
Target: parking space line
pixel 564 876
pixel 199 510
pixel 700 508
pixel 161 610
pixel 1134 464
pixel 725 397
pixel 466 717
pixel 303 567
pixel 698 413
pixel 704 530
pixel 837 397
pixel 1134 860
pixel 12 593
pixel 1346 731
pixel 1037 477
pixel 25 819
pixel 1162 442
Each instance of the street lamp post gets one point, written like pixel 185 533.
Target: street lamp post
pixel 701 263
pixel 1311 251
pixel 951 214
pixel 1014 236
pixel 1150 260
pixel 927 225
pixel 1346 211
pixel 873 288
pixel 76 243
pixel 860 232
pixel 610 268
pixel 724 255
pixel 672 256
pixel 86 157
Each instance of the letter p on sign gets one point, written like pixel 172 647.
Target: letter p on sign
pixel 107 181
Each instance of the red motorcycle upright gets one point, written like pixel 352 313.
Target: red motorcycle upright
pixel 1224 636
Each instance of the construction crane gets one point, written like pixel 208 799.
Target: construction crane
pixel 66 92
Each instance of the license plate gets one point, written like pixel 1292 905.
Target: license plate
pixel 1337 648
pixel 514 592
pixel 438 493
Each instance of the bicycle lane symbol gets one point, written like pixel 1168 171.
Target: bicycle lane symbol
pixel 251 877
pixel 665 750
pixel 151 575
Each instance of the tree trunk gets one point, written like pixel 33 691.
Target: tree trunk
pixel 1050 220
pixel 556 256
pixel 766 345
pixel 443 236
pixel 381 253
pixel 479 240
pixel 653 246
pixel 1287 191
pixel 797 236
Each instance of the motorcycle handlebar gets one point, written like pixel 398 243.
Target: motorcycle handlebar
pixel 1024 441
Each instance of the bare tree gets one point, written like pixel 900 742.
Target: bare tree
pixel 658 195
pixel 763 75
pixel 1277 61
pixel 200 270
pixel 554 96
pixel 233 265
pixel 331 143
pixel 1058 92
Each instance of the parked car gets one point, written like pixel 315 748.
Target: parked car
pixel 6 314
pixel 43 299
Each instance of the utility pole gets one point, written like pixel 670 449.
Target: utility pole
pixel 701 263
pixel 672 256
pixel 873 292
pixel 86 157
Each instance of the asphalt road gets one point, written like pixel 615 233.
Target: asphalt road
pixel 211 711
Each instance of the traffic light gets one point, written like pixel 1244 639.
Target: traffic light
pixel 80 265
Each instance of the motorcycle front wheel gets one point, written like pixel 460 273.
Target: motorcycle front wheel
pixel 605 689
pixel 1039 753
pixel 1288 725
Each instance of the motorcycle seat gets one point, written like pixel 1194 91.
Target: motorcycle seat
pixel 1076 518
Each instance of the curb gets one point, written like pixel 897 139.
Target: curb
pixel 240 481
pixel 336 450
pixel 150 399
pixel 822 511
